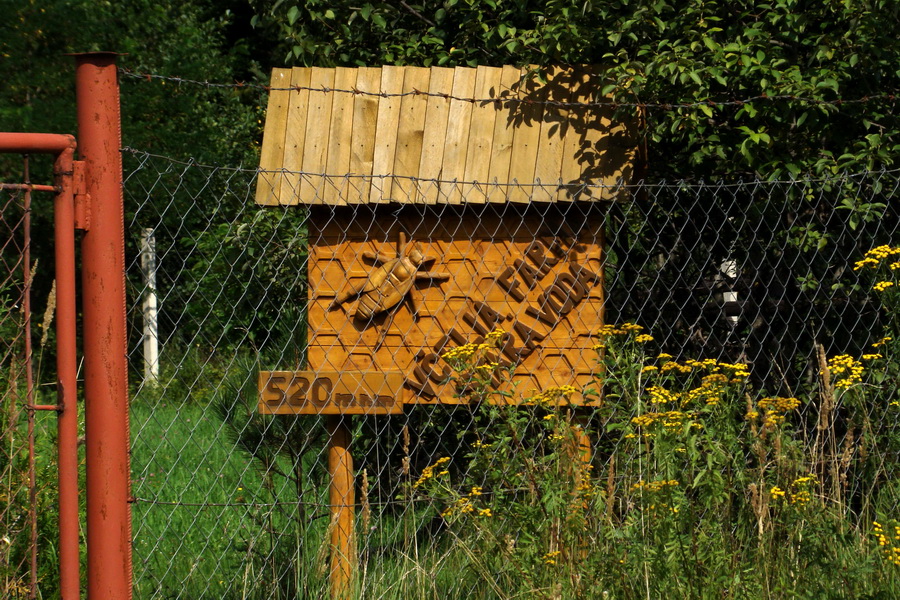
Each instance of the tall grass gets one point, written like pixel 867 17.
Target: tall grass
pixel 683 481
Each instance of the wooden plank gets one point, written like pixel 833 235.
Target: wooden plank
pixel 554 124
pixel 581 161
pixel 268 183
pixel 501 149
pixel 527 138
pixel 337 162
pixel 435 137
pixel 459 120
pixel 330 392
pixel 295 135
pixel 315 146
pixel 481 133
pixel 410 134
pixel 362 142
pixel 386 134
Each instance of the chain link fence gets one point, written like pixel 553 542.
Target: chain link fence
pixel 736 429
pixel 27 442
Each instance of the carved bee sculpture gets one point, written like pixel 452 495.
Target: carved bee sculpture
pixel 389 284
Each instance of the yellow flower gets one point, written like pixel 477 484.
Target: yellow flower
pixel 643 338
pixel 845 370
pixel 882 285
pixel 495 335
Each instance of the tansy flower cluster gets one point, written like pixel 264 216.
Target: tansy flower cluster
pixel 623 329
pixel 660 395
pixel 799 493
pixel 882 342
pixel 735 371
pixel 886 543
pixel 494 337
pixel 654 486
pixel 774 409
pixel 711 389
pixel 845 370
pixel 669 419
pixel 874 256
pixel 473 352
pixel 428 472
pixel 465 506
pixel 553 394
pixel 464 352
pixel 585 486
pixel 606 331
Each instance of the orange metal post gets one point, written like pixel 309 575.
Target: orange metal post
pixel 341 496
pixel 67 373
pixel 103 283
pixel 63 146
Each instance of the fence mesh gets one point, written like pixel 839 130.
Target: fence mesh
pixel 27 446
pixel 733 391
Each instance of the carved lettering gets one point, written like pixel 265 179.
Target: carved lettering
pixel 587 277
pixel 510 351
pixel 299 396
pixel 529 274
pixel 330 392
pixel 488 315
pixel 558 300
pixel 342 399
pixel 506 281
pixel 470 319
pixel 573 287
pixel 557 249
pixel 547 317
pixel 273 387
pixel 419 382
pixel 528 336
pixel 321 391
pixel 451 336
pixel 428 364
pixel 538 255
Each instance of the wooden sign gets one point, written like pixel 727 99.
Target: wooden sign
pixel 400 291
pixel 413 135
pixel 330 393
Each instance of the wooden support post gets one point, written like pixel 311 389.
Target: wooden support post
pixel 581 452
pixel 342 498
pixel 583 449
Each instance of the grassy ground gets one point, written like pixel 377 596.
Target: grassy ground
pixel 704 491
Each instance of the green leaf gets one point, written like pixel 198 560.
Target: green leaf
pixel 292 15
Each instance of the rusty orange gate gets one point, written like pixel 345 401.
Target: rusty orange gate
pixel 88 197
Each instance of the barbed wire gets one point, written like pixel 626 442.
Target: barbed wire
pixel 656 105
pixel 586 184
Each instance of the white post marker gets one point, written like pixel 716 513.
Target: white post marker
pixel 149 307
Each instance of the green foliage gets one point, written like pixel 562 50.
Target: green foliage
pixel 709 54
pixel 697 487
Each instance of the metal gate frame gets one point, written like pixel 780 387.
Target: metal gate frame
pixel 89 197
